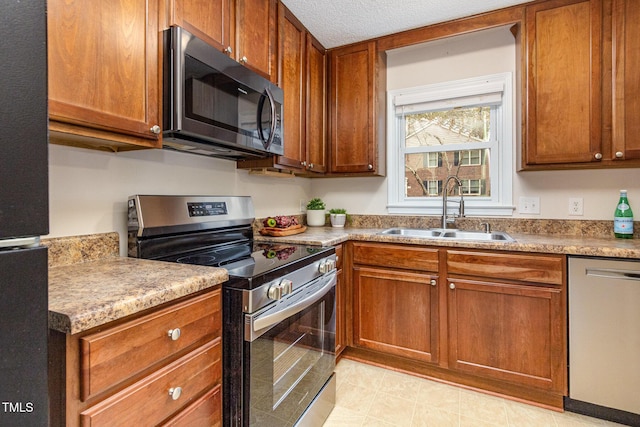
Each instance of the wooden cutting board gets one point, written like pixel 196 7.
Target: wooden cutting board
pixel 279 232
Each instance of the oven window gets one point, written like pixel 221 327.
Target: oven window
pixel 291 363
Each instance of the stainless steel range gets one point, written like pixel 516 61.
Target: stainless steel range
pixel 278 305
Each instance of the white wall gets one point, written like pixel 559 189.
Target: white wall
pixel 88 189
pixel 487 52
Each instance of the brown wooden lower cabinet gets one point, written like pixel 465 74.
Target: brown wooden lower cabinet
pixel 492 320
pixel 396 312
pixel 163 367
pixel 507 332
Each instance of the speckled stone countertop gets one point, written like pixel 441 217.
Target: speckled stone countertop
pixel 569 244
pixel 90 285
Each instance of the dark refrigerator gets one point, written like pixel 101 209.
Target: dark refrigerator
pixel 24 212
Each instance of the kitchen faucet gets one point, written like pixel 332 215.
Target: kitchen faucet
pixel 445 219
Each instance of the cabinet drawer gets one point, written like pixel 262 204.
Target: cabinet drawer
pixel 547 269
pixel 148 401
pixel 115 354
pixel 396 256
pixel 204 412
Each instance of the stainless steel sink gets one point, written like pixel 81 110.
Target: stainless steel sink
pixel 412 232
pixel 477 235
pixel 445 234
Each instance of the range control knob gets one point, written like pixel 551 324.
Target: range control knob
pixel 327 266
pixel 283 288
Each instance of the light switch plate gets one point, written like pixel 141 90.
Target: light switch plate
pixel 530 205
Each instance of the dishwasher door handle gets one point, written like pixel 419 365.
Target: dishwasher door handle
pixel 613 274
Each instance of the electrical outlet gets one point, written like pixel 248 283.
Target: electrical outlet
pixel 530 205
pixel 575 206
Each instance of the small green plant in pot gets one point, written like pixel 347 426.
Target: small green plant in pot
pixel 315 212
pixel 338 217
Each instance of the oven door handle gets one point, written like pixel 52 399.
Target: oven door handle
pixel 262 323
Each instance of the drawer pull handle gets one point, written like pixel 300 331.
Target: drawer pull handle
pixel 174 334
pixel 433 282
pixel 452 285
pixel 175 392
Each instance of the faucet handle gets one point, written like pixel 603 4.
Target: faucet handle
pixel 461 210
pixel 487 227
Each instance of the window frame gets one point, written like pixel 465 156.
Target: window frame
pixel 502 162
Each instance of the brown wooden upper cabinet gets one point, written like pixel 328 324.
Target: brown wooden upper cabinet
pixel 103 74
pixel 209 20
pixel 302 76
pixel 356 110
pixel 250 38
pixel 626 80
pixel 256 29
pixel 583 84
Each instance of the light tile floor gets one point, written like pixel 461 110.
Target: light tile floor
pixel 371 396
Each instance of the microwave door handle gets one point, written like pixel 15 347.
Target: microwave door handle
pixel 259 120
pixel 274 118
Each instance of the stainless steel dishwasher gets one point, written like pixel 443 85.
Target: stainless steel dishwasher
pixel 604 339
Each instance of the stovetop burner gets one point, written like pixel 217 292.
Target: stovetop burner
pixel 214 257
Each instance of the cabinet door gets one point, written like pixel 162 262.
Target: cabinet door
pixel 626 80
pixel 103 70
pixel 563 82
pixel 508 332
pixel 256 36
pixel 396 312
pixel 316 136
pixel 206 19
pixel 353 120
pixel 292 81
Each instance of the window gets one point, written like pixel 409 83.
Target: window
pixel 462 128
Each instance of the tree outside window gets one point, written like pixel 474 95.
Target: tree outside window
pixel 429 134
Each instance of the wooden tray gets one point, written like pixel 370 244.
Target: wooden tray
pixel 280 232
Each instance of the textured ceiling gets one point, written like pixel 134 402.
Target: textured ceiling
pixel 340 22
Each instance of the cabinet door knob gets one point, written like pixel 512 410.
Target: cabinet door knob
pixel 310 165
pixel 243 59
pixel 228 50
pixel 370 167
pixel 175 392
pixel 452 285
pixel 155 129
pixel 598 156
pixel 433 282
pixel 174 334
pixel 619 154
pixel 303 163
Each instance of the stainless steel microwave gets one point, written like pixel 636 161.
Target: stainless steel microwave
pixel 214 106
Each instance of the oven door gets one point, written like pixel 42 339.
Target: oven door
pixel 291 354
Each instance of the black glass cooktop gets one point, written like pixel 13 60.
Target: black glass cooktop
pixel 254 260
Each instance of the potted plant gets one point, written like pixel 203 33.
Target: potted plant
pixel 338 217
pixel 315 212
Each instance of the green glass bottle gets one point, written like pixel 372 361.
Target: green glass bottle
pixel 623 218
